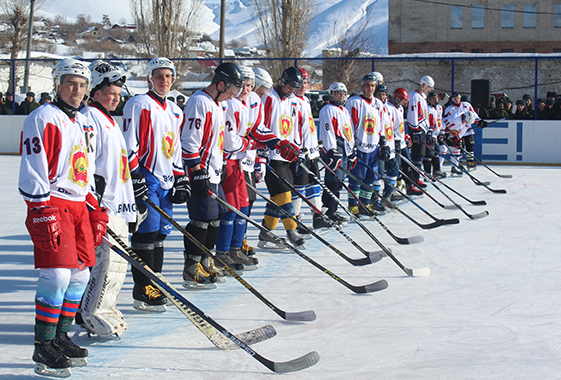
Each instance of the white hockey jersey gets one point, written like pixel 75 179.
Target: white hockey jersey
pixel 151 132
pixel 365 116
pixel 307 126
pixel 335 121
pixel 435 119
pixel 387 128
pixel 202 138
pixel 54 158
pixel 418 114
pixel 396 117
pixel 109 156
pixel 452 111
pixel 456 126
pixel 254 119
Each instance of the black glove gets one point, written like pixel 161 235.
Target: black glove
pixel 99 185
pixel 453 141
pixel 441 138
pixel 385 153
pixel 181 190
pixel 333 159
pixel 139 186
pixel 482 123
pixel 417 136
pixel 224 172
pixel 352 159
pixel 200 182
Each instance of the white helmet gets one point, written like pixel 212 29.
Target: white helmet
pixel 469 117
pixel 70 66
pixel 262 78
pixel 427 81
pixel 247 73
pixel 378 76
pixel 159 63
pixel 104 73
pixel 337 86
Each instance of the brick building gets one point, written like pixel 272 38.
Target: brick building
pixel 492 26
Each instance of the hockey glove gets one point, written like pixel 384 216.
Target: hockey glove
pixel 482 123
pixel 288 150
pixel 139 185
pixel 200 182
pixel 181 190
pixel 453 141
pixel 417 136
pixel 441 139
pixel 45 227
pixel 385 153
pixel 99 185
pixel 99 220
pixel 352 159
pixel 333 159
pixel 408 141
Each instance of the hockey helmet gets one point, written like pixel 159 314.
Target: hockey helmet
pixel 159 63
pixel 292 76
pixel 229 74
pixel 469 117
pixel 426 81
pixel 400 94
pixel 70 66
pixel 335 87
pixel 262 78
pixel 381 88
pixel 247 73
pixel 305 74
pixel 367 77
pixel 378 76
pixel 104 73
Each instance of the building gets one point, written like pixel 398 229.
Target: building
pixel 492 26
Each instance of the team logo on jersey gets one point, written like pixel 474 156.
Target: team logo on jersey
pixel 369 124
pixel 168 146
pixel 78 172
pixel 348 132
pixel 285 125
pixel 389 132
pixel 124 167
pixel 402 128
pixel 221 140
pixel 312 124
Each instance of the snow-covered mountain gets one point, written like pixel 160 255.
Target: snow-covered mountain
pixel 345 14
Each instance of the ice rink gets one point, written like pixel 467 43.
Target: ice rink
pixel 491 308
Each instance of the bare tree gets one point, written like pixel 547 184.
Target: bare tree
pixel 164 27
pixel 282 27
pixel 17 15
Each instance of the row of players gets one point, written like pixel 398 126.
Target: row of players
pixel 81 174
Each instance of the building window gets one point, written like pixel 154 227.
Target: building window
pixel 455 50
pixel 507 16
pixel 557 15
pixel 507 51
pixel 456 17
pixel 477 16
pixel 477 50
pixel 529 51
pixel 529 16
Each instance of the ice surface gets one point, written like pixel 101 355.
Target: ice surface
pixel 489 310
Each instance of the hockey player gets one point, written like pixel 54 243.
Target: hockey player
pixel 395 110
pixel 387 163
pixel 457 125
pixel 338 149
pixel 432 160
pixel 55 181
pixel 202 141
pixel 309 153
pixel 98 312
pixel 151 126
pixel 417 119
pixel 366 123
pixel 278 132
pixel 452 111
pixel 263 81
pixel 239 154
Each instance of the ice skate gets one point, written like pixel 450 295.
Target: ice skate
pixel 339 219
pixel 195 276
pixel 49 361
pixel 240 258
pixel 75 353
pixel 148 298
pixel 456 172
pixel 224 257
pixel 471 166
pixel 211 267
pixel 268 242
pixel 295 238
pixel 304 232
pixel 320 224
pixel 439 174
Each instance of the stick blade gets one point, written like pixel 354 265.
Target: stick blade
pixel 376 286
pixel 302 316
pixel 450 207
pixel 421 272
pixel 505 175
pixel 375 256
pixel 499 191
pixel 451 221
pixel 478 203
pixel 482 214
pixel 249 337
pixel 298 364
pixel 415 240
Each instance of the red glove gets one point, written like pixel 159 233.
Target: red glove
pixel 45 227
pixel 99 220
pixel 408 141
pixel 288 150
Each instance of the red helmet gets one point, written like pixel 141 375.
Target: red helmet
pixel 400 94
pixel 305 74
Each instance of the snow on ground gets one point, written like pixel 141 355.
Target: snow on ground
pixel 490 309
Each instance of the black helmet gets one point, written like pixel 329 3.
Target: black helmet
pixel 431 94
pixel 229 73
pixel 381 88
pixel 293 77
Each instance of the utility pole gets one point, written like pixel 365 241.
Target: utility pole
pixel 222 29
pixel 29 36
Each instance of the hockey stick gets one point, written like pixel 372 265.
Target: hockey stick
pixel 421 189
pixel 355 262
pixel 219 340
pixel 297 364
pixel 441 221
pixel 373 287
pixel 475 180
pixel 308 315
pixel 427 226
pixel 372 255
pixel 480 215
pixel 491 170
pixel 410 272
pixel 400 240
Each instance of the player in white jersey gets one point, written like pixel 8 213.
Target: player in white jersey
pixel 279 124
pixel 239 154
pixel 366 123
pixel 336 132
pixel 452 111
pixel 151 127
pixel 56 182
pixel 98 312
pixel 387 164
pixel 309 152
pixel 395 110
pixel 202 141
pixel 457 126
pixel 418 122
pixel 431 162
